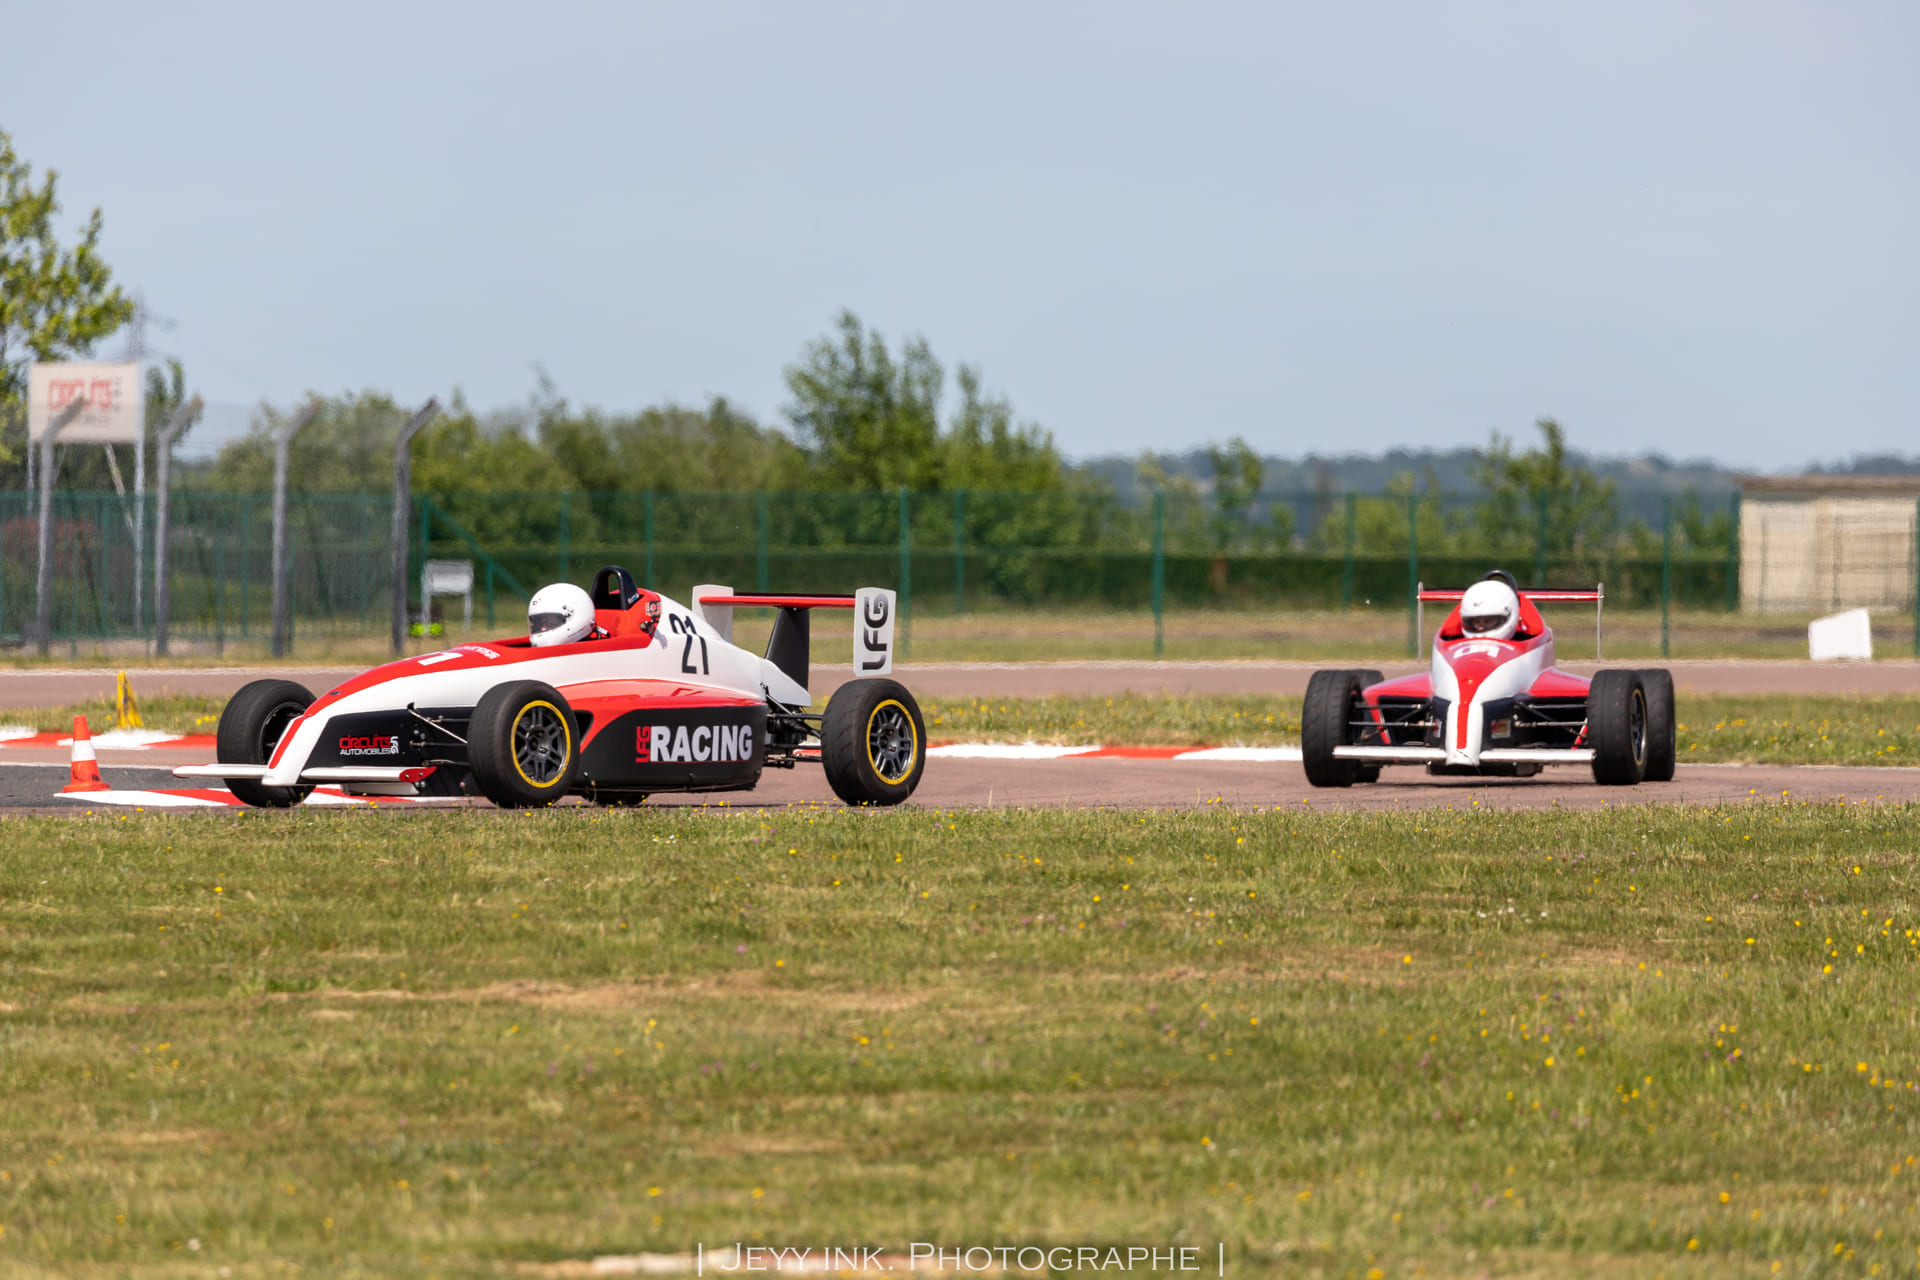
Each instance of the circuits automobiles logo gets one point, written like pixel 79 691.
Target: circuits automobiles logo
pixel 665 744
pixel 385 745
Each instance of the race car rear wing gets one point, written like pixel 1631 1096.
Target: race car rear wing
pixel 790 646
pixel 1596 597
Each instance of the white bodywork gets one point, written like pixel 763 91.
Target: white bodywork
pixel 1508 680
pixel 458 677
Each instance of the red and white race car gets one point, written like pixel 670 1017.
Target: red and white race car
pixel 660 700
pixel 1492 704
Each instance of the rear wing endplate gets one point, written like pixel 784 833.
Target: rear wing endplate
pixel 789 646
pixel 1596 597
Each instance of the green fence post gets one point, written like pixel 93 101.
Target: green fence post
pixel 1540 541
pixel 646 523
pixel 1159 570
pixel 246 528
pixel 959 551
pixel 906 575
pixel 1413 575
pixel 1666 577
pixel 760 542
pixel 566 556
pixel 1733 553
pixel 1346 568
pixel 489 593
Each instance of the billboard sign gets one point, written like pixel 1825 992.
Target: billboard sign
pixel 112 406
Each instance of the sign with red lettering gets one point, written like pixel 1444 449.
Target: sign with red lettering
pixel 110 402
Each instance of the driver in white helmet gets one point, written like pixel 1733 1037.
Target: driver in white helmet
pixel 561 614
pixel 1490 608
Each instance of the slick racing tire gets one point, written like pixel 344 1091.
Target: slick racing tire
pixel 524 744
pixel 1663 745
pixel 873 742
pixel 1326 722
pixel 251 727
pixel 1617 725
pixel 1369 772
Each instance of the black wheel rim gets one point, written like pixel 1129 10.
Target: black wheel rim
pixel 275 727
pixel 540 745
pixel 890 742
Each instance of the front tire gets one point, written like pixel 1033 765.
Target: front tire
pixel 873 742
pixel 1663 730
pixel 524 745
pixel 1326 722
pixel 251 726
pixel 1617 727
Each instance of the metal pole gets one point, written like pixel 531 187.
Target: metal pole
pixel 43 599
pixel 139 527
pixel 402 508
pixel 1599 607
pixel 1159 570
pixel 162 586
pixel 1540 541
pixel 281 440
pixel 760 541
pixel 1733 553
pixel 1413 574
pixel 906 573
pixel 959 551
pixel 1666 578
pixel 647 521
pixel 426 535
pixel 1419 612
pixel 1346 569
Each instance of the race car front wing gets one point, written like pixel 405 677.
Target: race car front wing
pixel 1493 755
pixel 334 773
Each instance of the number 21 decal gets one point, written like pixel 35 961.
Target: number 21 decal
pixel 684 626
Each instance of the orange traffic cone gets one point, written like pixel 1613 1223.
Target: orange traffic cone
pixel 85 772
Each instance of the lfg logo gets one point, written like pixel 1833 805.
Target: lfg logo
pixel 664 744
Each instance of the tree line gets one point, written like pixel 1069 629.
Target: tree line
pixel 861 417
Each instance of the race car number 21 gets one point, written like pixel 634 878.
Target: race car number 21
pixel 684 627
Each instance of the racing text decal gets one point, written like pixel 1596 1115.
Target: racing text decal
pixel 378 745
pixel 663 744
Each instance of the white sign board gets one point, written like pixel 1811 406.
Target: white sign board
pixel 1841 637
pixel 873 610
pixel 112 404
pixel 449 577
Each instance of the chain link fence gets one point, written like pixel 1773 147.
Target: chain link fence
pixel 955 554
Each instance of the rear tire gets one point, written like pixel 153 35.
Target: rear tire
pixel 1326 722
pixel 1663 730
pixel 250 728
pixel 524 745
pixel 873 742
pixel 1617 728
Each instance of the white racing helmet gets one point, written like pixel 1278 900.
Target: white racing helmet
pixel 1490 610
pixel 559 614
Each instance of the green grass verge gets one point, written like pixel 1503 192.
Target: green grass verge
pixel 168 713
pixel 1639 1042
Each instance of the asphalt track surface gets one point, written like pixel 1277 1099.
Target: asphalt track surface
pixel 1119 783
pixel 31 778
pixel 56 687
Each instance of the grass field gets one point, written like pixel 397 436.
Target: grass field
pixel 1624 1043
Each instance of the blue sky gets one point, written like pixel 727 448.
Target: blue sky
pixel 1682 228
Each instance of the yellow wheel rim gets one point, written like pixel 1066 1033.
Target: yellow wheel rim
pixel 893 742
pixel 541 743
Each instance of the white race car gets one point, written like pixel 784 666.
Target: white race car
pixel 664 702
